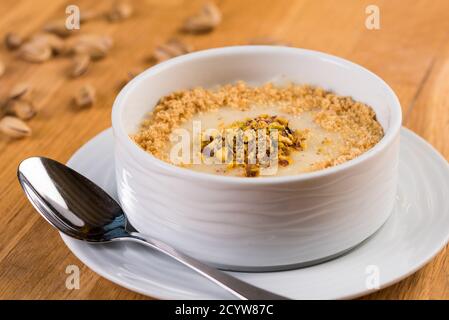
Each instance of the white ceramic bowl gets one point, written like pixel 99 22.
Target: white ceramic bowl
pixel 257 223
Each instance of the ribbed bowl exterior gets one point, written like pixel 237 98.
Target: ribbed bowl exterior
pixel 257 226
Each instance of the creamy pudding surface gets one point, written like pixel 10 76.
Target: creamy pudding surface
pixel 249 131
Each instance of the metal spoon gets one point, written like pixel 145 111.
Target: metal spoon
pixel 79 208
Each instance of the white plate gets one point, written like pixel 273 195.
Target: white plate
pixel 416 231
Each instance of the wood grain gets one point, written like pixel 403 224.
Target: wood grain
pixel 410 51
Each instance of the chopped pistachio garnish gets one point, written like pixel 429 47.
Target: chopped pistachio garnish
pixel 252 153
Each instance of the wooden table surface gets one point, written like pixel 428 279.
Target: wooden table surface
pixel 410 51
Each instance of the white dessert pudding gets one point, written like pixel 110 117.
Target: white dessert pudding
pixel 223 130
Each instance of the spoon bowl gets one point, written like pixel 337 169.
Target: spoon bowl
pixel 59 194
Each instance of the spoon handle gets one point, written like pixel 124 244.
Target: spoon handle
pixel 238 288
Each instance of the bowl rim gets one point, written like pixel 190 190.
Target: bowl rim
pixel 148 160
